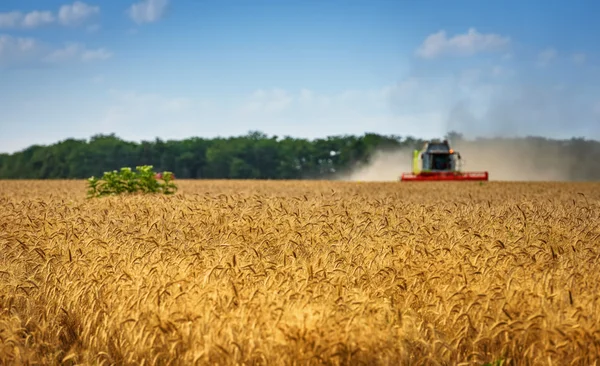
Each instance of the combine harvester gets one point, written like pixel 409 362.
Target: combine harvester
pixel 438 162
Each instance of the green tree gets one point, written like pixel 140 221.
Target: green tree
pixel 258 156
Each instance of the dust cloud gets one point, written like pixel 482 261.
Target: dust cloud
pixel 518 110
pixel 519 160
pixel 523 109
pixel 504 159
pixel 497 130
pixel 383 166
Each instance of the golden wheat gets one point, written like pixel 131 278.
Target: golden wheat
pixel 242 272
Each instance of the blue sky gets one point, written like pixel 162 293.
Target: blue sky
pixel 179 68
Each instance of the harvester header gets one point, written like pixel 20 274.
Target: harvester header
pixel 437 161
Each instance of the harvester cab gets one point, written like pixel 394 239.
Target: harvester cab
pixel 438 161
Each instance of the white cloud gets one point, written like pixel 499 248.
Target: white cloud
pixel 11 19
pixel 278 102
pixel 37 19
pixel 141 101
pixel 8 43
pixel 66 53
pixel 77 52
pixel 97 54
pixel 19 51
pixel 76 13
pixel 69 15
pixel 579 58
pixel 267 101
pixel 468 44
pixel 138 115
pixel 148 11
pixel 304 113
pixel 417 106
pixel 546 56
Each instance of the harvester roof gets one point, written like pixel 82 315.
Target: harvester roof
pixel 437 146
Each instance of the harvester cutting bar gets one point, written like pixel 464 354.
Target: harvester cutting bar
pixel 445 176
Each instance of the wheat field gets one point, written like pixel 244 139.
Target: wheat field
pixel 301 273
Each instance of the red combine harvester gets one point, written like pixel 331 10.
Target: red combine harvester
pixel 439 162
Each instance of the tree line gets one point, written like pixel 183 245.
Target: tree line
pixel 259 156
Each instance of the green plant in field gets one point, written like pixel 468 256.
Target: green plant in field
pixel 147 181
pixel 143 180
pixel 168 186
